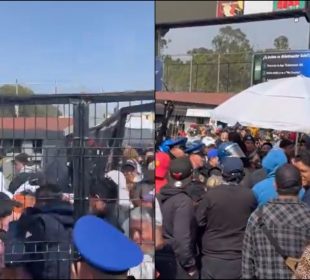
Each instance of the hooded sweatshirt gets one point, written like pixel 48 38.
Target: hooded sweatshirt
pixel 265 190
pixel 178 224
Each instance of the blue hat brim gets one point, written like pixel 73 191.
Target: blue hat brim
pixel 104 247
pixel 194 148
pixel 178 141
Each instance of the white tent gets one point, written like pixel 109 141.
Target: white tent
pixel 281 104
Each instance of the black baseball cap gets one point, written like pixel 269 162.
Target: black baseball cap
pixel 248 138
pixel 7 205
pixel 23 158
pixel 285 143
pixel 288 177
pixel 232 165
pixel 181 168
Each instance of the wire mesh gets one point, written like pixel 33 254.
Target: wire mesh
pixel 74 142
pixel 205 72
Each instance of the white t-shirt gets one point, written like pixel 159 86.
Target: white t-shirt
pixel 4 184
pixel 158 214
pixel 145 270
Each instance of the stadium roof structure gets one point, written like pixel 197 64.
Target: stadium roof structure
pixel 176 14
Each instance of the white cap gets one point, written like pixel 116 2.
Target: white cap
pixel 208 141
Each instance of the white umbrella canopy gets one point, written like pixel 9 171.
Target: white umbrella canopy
pixel 281 104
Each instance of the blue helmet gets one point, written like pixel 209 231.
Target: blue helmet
pixel 194 147
pixel 169 143
pixel 230 149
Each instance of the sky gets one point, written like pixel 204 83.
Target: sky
pixel 84 46
pixel 260 34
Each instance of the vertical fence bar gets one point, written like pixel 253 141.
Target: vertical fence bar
pixel 218 72
pixel 80 164
pixel 191 73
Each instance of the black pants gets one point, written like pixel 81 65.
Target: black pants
pixel 168 266
pixel 214 268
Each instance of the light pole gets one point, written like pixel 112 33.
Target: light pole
pixel 16 106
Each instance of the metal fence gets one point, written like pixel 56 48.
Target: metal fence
pixel 73 141
pixel 204 72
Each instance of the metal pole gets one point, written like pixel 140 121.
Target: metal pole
pixel 190 74
pixel 163 72
pixel 309 36
pixel 81 167
pixel 16 92
pixel 296 144
pixel 218 72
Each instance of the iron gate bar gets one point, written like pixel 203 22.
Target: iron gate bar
pixel 80 162
pixel 46 99
pixel 125 110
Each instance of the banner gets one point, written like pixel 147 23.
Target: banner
pixel 258 7
pixel 288 5
pixel 230 8
pixel 271 66
pixel 240 8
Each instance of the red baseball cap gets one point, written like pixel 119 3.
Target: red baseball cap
pixel 162 164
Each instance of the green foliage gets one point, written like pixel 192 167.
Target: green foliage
pixel 281 43
pixel 227 67
pixel 25 110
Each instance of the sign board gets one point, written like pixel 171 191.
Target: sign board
pixel 189 13
pixel 258 7
pixel 230 8
pixel 202 113
pixel 269 66
pixel 288 5
pixel 242 8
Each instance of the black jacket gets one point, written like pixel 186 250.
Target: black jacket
pixel 258 176
pixel 48 228
pixel 195 190
pixel 178 224
pixel 224 212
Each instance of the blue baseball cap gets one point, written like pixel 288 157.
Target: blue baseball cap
pixel 104 247
pixel 212 153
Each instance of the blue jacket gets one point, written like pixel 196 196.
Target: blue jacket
pixel 306 196
pixel 265 190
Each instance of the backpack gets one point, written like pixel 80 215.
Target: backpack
pixel 44 246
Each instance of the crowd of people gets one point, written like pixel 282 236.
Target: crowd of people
pixel 235 204
pixel 39 232
pixel 228 203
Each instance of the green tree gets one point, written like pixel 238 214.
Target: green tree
pixel 204 70
pixel 231 40
pixel 229 62
pixel 281 43
pixel 235 53
pixel 176 74
pixel 25 110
